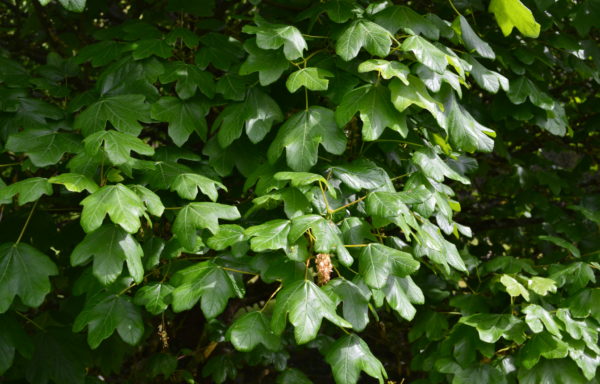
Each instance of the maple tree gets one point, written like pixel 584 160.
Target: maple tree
pixel 299 191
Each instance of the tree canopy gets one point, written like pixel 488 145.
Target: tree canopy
pixel 299 191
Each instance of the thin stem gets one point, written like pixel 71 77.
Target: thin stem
pixel 454 8
pixel 324 197
pixel 399 177
pixel 29 320
pixel 126 289
pixel 271 297
pixel 9 164
pixel 26 223
pixel 397 141
pixel 355 245
pixel 172 208
pixel 349 204
pixel 314 36
pixel 237 271
pixel 306 99
pixel 306 269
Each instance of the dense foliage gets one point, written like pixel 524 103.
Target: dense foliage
pixel 266 191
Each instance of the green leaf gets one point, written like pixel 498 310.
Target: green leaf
pixel 376 111
pixel 24 272
pixel 28 190
pixel 151 200
pixel 292 375
pixel 301 135
pixel 142 49
pixel 387 69
pixel 399 17
pixel 355 299
pixel 110 246
pixel 43 146
pixel 73 5
pixel 196 216
pixel 257 114
pixel 307 305
pixel 350 355
pixel 464 131
pixel 122 111
pixel 563 244
pixel 271 235
pixel 474 42
pixel 270 65
pixel 542 344
pixel 339 11
pixel 537 318
pixel 117 145
pixel 219 50
pixel 377 261
pixel 363 33
pixel 512 13
pixel 188 184
pixel 314 79
pixel 59 357
pixel 401 293
pixel 122 205
pixel 273 36
pixel 492 327
pixel 426 53
pixel 189 79
pixel 184 117
pixel 74 182
pixel 105 313
pixel 363 174
pixel 250 330
pixel 154 296
pixel 229 235
pixel 523 88
pixel 580 329
pixel 489 80
pixel 415 93
pixel 513 287
pixel 560 371
pixel 586 361
pixel 205 282
pixel 12 338
pixel 434 167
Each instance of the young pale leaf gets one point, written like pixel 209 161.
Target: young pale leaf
pixel 188 184
pixel 257 114
pixel 206 282
pixel 363 33
pixel 512 13
pixel 196 216
pixel 154 296
pixel 273 36
pixel 301 135
pixel 349 356
pixel 307 305
pixel 513 287
pixel 399 17
pixel 28 190
pixel 75 182
pixel 314 79
pixel 104 314
pixel 426 53
pixel 122 205
pixel 270 65
pixel 117 145
pixel 387 69
pixel 43 146
pixel 122 111
pixel 474 42
pixel 250 330
pixel 73 5
pixel 376 111
pixel 110 246
pixel 24 272
pixel 184 117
